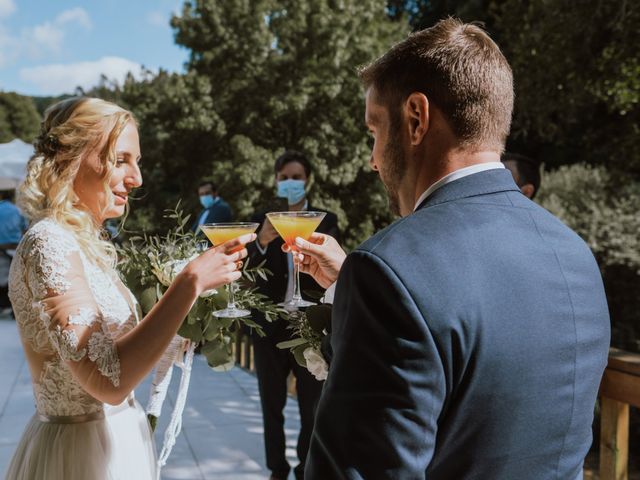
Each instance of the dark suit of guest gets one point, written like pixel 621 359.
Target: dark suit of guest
pixel 274 364
pixel 469 340
pixel 219 212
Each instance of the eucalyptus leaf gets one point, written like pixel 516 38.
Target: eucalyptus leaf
pixel 292 343
pixel 147 299
pixel 298 354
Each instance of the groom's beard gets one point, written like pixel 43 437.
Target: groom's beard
pixel 394 168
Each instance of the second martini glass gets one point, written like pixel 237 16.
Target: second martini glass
pixel 218 233
pixel 291 225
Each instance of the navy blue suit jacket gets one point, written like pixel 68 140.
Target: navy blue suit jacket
pixel 220 212
pixel 469 340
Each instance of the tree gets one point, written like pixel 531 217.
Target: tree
pixel 18 118
pixel 577 77
pixel 281 74
pixel 426 13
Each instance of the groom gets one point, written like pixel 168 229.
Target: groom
pixel 470 336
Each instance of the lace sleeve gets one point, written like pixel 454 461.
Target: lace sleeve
pixel 66 306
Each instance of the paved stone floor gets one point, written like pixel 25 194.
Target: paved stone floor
pixel 221 437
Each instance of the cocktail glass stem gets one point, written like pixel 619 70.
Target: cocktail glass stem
pixel 231 302
pixel 297 297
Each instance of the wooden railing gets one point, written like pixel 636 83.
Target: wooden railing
pixel 620 388
pixel 243 350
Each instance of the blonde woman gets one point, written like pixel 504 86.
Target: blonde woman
pixel 85 344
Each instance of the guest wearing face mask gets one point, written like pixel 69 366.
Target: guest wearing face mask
pixel 215 209
pixel 273 365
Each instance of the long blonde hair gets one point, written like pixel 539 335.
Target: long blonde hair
pixel 71 130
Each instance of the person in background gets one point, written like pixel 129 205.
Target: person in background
pixel 525 171
pixel 273 365
pixel 12 226
pixel 215 209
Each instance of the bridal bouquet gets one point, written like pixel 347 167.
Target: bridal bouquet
pixel 148 265
pixel 310 327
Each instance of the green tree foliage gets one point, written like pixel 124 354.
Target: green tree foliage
pixel 425 13
pixel 577 76
pixel 18 118
pixel 265 76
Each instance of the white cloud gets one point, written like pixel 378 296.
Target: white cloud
pixel 158 19
pixel 7 7
pixel 56 79
pixel 42 39
pixel 48 37
pixel 75 15
pixel 8 47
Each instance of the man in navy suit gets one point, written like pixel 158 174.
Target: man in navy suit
pixel 215 209
pixel 469 337
pixel 273 365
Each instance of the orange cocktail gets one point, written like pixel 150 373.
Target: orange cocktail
pixel 291 225
pixel 219 233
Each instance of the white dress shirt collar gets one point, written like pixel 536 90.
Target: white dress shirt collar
pixel 456 175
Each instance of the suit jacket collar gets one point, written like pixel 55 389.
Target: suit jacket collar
pixel 483 183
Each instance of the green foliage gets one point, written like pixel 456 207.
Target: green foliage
pixel 605 214
pixel 308 329
pixel 577 76
pixel 425 13
pixel 263 76
pixel 18 118
pixel 148 265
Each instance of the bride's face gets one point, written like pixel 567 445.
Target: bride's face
pixel 89 182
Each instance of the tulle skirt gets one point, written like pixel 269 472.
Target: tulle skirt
pixel 117 447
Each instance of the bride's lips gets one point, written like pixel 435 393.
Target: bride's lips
pixel 120 198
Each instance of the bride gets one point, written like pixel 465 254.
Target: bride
pixel 85 343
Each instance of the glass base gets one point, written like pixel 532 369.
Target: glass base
pixel 231 313
pixel 295 304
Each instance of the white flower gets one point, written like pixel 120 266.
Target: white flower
pixel 172 269
pixel 316 363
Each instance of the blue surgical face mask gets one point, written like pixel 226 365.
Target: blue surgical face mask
pixel 206 201
pixel 292 190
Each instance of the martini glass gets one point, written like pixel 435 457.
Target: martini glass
pixel 291 225
pixel 218 233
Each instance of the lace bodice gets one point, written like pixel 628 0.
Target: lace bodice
pixel 69 311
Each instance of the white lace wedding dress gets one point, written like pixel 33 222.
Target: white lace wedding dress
pixel 69 313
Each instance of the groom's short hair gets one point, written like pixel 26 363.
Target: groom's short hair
pixel 460 70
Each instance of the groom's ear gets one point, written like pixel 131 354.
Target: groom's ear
pixel 417 112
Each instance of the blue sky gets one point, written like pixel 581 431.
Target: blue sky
pixel 48 47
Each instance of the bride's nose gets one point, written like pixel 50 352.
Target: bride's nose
pixel 134 177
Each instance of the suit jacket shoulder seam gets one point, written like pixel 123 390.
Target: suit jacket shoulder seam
pixel 573 314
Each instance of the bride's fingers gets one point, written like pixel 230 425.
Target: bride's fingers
pixel 239 255
pixel 237 243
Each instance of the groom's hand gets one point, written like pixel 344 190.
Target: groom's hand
pixel 267 234
pixel 321 257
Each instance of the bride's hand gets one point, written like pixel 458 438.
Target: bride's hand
pixel 321 257
pixel 217 266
